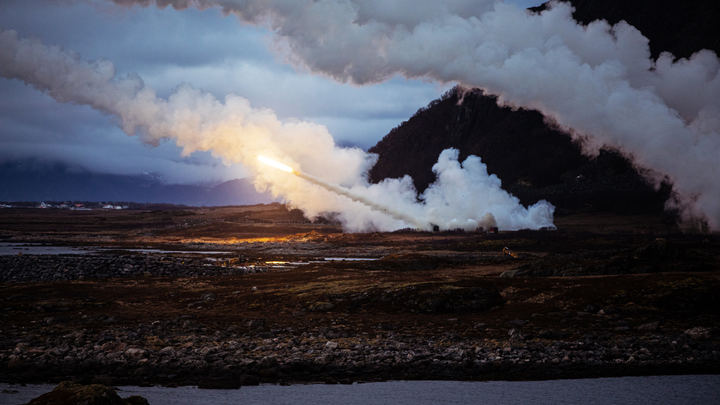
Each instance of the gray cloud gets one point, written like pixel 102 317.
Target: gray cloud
pixel 78 136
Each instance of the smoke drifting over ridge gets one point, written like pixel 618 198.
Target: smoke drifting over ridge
pixel 598 81
pixel 238 133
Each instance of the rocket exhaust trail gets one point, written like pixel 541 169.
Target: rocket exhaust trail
pixel 358 198
pixel 197 121
pixel 346 193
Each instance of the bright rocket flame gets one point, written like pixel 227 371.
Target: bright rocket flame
pixel 275 164
pixel 347 193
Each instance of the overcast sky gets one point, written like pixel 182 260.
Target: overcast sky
pixel 167 48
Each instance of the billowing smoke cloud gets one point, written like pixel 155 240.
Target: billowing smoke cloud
pixel 598 81
pixel 463 197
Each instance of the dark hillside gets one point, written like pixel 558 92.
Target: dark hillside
pixel 533 159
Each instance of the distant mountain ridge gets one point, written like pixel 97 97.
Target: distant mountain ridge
pixel 533 159
pixel 58 183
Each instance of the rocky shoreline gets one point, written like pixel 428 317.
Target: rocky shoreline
pixel 225 359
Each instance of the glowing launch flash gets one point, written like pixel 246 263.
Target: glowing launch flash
pixel 347 193
pixel 275 164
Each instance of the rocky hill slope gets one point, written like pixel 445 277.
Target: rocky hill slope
pixel 532 158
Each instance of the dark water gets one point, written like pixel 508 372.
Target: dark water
pixel 7 249
pixel 38 249
pixel 684 389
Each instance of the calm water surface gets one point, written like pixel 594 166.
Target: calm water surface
pixel 8 249
pixel 684 389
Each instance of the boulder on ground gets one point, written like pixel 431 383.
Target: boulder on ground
pixel 69 393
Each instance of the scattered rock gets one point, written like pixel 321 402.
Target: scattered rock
pixel 509 273
pixel 68 393
pixel 28 268
pixel 698 333
pixel 135 352
pixel 517 322
pixel 256 323
pixel 321 306
pixel 650 326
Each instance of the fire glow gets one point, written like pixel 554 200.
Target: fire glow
pixel 464 195
pixel 275 164
pixel 421 225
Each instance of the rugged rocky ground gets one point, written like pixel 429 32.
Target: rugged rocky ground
pixel 270 302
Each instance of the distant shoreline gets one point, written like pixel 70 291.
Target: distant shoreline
pixel 698 389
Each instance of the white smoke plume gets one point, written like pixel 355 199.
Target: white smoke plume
pixel 598 81
pixel 463 197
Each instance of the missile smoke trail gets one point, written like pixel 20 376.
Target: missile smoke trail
pixel 597 82
pixel 356 197
pixel 347 193
pixel 464 196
